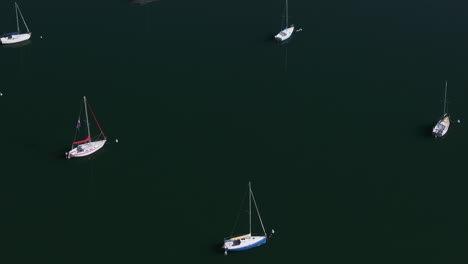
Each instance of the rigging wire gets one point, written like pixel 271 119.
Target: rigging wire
pixel 21 18
pixel 238 214
pixel 95 119
pixel 256 207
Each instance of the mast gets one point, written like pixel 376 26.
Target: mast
pixel 24 21
pixel 287 24
pixel 445 98
pixel 86 113
pixel 17 21
pixel 250 210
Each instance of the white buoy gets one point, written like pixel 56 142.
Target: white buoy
pixel 458 121
pixel 1 94
pixel 272 232
pixel 40 36
pixel 116 141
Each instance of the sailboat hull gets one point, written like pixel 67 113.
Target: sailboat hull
pixel 15 38
pixel 86 149
pixel 441 127
pixel 243 243
pixel 285 34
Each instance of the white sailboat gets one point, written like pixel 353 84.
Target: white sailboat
pixel 15 37
pixel 247 241
pixel 287 31
pixel 88 145
pixel 441 128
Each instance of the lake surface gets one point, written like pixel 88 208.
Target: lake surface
pixel 333 129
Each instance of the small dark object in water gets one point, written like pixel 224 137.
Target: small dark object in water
pixel 142 2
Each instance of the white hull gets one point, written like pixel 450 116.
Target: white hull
pixel 285 34
pixel 86 149
pixel 243 242
pixel 441 127
pixel 12 39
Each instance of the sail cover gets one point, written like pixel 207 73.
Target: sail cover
pixel 10 34
pixel 83 141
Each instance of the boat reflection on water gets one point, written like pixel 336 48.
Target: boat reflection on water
pixel 17 45
pixel 142 2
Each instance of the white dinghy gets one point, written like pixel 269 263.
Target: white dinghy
pixel 247 241
pixel 15 37
pixel 441 128
pixel 88 145
pixel 287 31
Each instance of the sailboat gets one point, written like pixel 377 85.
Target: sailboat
pixel 15 37
pixel 287 31
pixel 247 241
pixel 443 125
pixel 88 145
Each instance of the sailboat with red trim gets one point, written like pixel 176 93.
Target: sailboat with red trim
pixel 88 145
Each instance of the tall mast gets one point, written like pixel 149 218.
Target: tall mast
pixel 17 21
pixel 250 210
pixel 445 98
pixel 86 113
pixel 287 24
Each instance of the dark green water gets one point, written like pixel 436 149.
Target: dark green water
pixel 332 128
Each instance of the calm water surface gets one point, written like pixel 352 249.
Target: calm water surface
pixel 332 128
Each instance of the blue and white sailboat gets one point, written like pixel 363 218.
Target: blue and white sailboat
pixel 247 241
pixel 287 31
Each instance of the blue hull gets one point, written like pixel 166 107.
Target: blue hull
pixel 256 244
